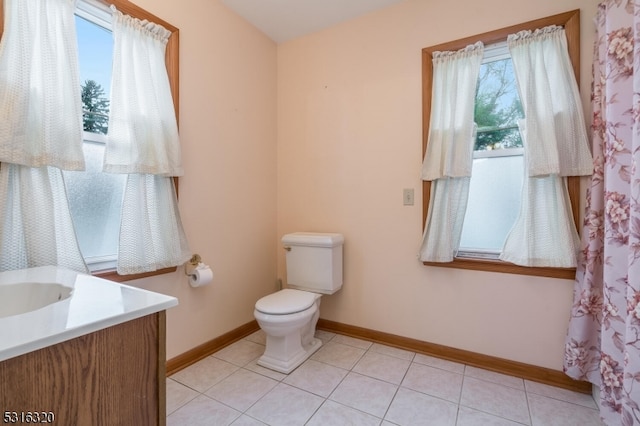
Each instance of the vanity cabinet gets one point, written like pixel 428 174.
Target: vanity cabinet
pixel 112 376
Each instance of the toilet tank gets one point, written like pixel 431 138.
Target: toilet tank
pixel 314 261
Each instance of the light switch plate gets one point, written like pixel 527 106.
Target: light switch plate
pixel 407 196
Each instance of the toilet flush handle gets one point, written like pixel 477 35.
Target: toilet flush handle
pixel 287 248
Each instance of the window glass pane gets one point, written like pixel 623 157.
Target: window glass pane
pixel 498 107
pixel 95 47
pixel 496 178
pixel 494 201
pixel 95 199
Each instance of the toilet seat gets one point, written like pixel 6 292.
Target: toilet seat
pixel 286 301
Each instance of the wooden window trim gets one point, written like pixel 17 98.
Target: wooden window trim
pixel 571 23
pixel 172 61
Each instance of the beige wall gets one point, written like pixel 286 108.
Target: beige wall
pixel 345 141
pixel 228 193
pixel 349 141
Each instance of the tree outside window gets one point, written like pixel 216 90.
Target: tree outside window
pixel 95 108
pixel 498 107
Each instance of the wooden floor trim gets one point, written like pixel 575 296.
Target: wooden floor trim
pixel 487 362
pixel 200 352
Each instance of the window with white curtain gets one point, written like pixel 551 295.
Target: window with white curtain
pixel 496 181
pixel 95 198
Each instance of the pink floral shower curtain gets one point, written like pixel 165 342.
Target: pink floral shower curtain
pixel 603 341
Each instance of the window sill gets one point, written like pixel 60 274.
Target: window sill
pixel 505 267
pixel 114 276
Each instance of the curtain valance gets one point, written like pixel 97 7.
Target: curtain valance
pixel 40 106
pixel 557 140
pixel 452 130
pixel 143 131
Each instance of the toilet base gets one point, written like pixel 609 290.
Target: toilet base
pixel 287 366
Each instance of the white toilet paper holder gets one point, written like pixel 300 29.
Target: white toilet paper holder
pixel 192 264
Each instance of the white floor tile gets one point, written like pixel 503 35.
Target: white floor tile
pixel 492 398
pixel 551 412
pixel 245 420
pixel 585 400
pixel 275 375
pixel 240 353
pixel 258 337
pixel 285 405
pixel 316 377
pixel 391 351
pixel 332 413
pixel 325 336
pixel 383 367
pixel 352 341
pixel 470 417
pixel 411 408
pixel 204 373
pixel 203 411
pixel 178 395
pixel 242 389
pixel 354 382
pixel 364 393
pixel 493 377
pixel 338 355
pixel 433 381
pixel 442 364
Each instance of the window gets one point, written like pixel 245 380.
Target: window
pixel 95 197
pixel 496 180
pixel 95 52
pixel 498 152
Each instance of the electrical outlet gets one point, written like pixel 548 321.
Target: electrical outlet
pixel 407 196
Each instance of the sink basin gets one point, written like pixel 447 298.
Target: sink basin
pixel 46 305
pixel 21 298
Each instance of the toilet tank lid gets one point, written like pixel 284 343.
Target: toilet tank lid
pixel 286 301
pixel 313 239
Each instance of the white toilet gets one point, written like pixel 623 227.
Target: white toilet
pixel 289 316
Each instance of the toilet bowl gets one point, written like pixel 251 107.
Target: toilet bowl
pixel 288 318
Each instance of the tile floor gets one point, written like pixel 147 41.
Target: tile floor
pixel 354 382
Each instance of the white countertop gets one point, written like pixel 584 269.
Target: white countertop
pixel 94 304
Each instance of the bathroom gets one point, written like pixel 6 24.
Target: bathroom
pixel 322 133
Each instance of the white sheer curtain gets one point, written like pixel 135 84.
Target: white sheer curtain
pixel 556 146
pixel 143 133
pixel 151 235
pixel 35 224
pixel 544 233
pixel 449 156
pixel 143 142
pixel 40 134
pixel 554 120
